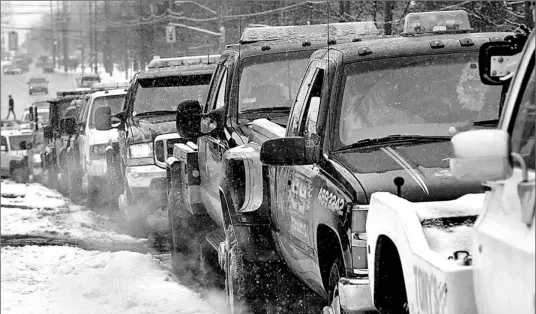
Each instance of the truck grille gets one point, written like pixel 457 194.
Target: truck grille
pixel 163 148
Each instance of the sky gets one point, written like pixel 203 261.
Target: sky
pixel 23 14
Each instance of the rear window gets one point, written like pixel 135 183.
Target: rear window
pixel 38 80
pixel 167 92
pixel 14 141
pixel 114 102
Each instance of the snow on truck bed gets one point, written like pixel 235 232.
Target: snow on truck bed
pixel 447 225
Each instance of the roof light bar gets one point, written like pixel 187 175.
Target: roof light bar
pixel 109 86
pixel 191 60
pixel 436 22
pixel 73 93
pixel 302 33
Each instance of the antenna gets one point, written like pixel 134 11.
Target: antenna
pixel 327 44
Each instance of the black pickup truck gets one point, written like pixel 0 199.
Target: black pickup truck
pixel 372 116
pixel 249 100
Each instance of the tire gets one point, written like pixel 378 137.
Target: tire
pixel 19 174
pixel 75 188
pixel 249 285
pixel 332 289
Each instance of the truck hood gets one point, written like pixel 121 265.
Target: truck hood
pixel 424 168
pixel 103 137
pixel 146 129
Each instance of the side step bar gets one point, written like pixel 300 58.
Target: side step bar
pixel 214 238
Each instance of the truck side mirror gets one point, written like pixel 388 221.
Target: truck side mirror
pixel 188 120
pixel 70 125
pixel 103 119
pixel 48 132
pixel 3 148
pixel 471 162
pixel 285 151
pixel 496 60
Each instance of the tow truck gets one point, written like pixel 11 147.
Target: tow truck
pixel 251 94
pixel 475 254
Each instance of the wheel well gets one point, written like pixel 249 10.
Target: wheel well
pixel 329 248
pixel 389 286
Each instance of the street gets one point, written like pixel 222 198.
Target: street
pixel 16 85
pixel 59 257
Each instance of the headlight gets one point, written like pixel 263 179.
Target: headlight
pixel 31 87
pixel 37 158
pixel 143 150
pixel 98 151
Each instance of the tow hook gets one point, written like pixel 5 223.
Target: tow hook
pixel 222 254
pixel 462 258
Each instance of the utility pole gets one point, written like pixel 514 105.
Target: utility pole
pixel 53 28
pixel 90 16
pixel 64 22
pixel 108 62
pixel 95 68
pixel 171 45
pixel 221 28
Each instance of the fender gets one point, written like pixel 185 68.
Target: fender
pixel 243 173
pixel 184 180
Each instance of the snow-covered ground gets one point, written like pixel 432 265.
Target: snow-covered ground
pixel 111 278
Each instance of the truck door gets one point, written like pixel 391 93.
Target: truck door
pixel 211 148
pixel 297 186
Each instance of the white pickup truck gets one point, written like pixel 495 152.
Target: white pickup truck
pixel 443 258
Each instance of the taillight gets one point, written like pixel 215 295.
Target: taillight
pixel 159 151
pixel 359 236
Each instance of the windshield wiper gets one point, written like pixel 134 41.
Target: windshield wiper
pixel 394 139
pixel 490 123
pixel 267 109
pixel 155 113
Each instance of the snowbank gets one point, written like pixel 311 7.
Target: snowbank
pixel 60 218
pixel 71 280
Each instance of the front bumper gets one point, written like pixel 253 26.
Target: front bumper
pixel 148 183
pixel 97 168
pixel 355 296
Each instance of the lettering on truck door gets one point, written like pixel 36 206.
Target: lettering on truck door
pixel 297 195
pixel 211 148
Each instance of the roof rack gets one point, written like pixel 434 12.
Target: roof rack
pixel 73 93
pixel 109 86
pixel 309 32
pixel 158 62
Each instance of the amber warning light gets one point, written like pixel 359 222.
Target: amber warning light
pixel 436 22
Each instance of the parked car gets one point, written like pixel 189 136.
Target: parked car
pixel 14 146
pixel 48 68
pixel 38 85
pixel 12 70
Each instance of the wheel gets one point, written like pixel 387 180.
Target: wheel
pixel 249 285
pixel 75 187
pixel 333 290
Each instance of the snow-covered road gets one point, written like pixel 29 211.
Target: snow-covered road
pixel 80 265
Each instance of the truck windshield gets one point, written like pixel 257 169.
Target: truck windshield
pixel 161 94
pixel 14 141
pixel 114 102
pixel 270 81
pixel 432 95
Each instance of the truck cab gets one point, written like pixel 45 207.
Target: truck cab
pixel 372 116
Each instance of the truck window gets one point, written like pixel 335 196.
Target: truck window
pixel 220 93
pixel 271 80
pixel 296 114
pixel 310 115
pixel 213 88
pixel 114 102
pixel 3 143
pixel 15 140
pixel 421 95
pixel 166 93
pixel 523 138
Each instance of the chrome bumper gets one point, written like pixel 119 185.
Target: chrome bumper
pixel 355 296
pixel 141 176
